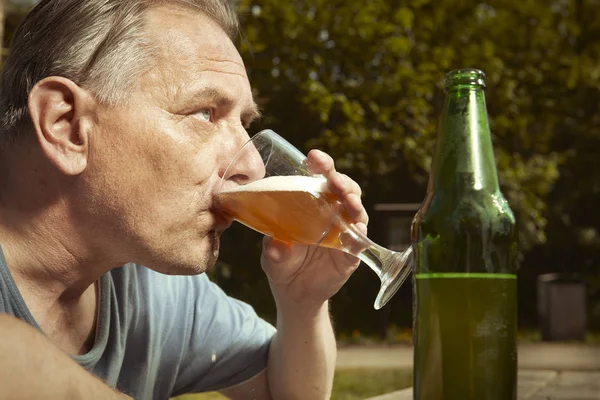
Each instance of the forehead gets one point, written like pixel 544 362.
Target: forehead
pixel 189 47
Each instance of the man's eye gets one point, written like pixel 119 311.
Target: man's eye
pixel 205 114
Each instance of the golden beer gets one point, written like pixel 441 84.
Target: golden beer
pixel 295 207
pixel 298 209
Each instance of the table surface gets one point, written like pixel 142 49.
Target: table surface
pixel 540 385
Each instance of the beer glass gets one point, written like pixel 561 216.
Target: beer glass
pixel 286 201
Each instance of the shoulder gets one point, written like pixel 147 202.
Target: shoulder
pixel 190 325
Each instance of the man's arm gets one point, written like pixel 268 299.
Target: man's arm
pixel 303 278
pixel 301 360
pixel 31 367
pixel 302 355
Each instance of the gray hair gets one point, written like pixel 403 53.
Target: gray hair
pixel 100 45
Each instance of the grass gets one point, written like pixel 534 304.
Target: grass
pixel 349 384
pixel 360 383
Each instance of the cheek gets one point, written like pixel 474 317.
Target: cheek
pixel 209 158
pixel 184 178
pixel 195 164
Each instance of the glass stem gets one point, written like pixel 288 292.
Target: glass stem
pixel 378 258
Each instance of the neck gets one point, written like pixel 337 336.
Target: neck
pixel 464 158
pixel 44 249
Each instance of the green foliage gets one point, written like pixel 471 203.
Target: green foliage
pixel 363 80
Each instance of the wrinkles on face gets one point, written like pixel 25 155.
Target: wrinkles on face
pixel 191 48
pixel 191 62
pixel 161 159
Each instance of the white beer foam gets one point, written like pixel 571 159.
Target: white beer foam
pixel 291 183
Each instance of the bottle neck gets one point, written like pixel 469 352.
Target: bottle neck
pixel 464 157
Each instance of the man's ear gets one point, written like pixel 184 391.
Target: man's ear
pixel 60 112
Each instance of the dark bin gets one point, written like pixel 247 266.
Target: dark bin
pixel 561 307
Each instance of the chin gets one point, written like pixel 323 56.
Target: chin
pixel 192 266
pixel 196 260
pixel 187 267
pixel 183 270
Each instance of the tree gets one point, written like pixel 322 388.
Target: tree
pixel 363 81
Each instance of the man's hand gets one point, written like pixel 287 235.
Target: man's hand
pixel 307 276
pixel 303 278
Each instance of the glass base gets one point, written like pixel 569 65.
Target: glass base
pixel 392 282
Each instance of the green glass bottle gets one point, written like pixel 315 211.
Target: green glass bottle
pixel 465 241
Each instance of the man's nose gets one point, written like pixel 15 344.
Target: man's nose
pixel 247 165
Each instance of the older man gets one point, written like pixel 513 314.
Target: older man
pixel 118 120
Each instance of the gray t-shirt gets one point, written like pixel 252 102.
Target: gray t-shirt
pixel 160 336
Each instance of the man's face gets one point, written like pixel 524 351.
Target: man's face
pixel 156 162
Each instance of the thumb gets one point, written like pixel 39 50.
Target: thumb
pixel 275 251
pixel 281 261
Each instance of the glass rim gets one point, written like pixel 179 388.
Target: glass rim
pixel 465 78
pixel 239 151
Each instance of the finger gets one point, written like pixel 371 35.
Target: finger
pixel 362 227
pixel 320 163
pixel 355 209
pixel 342 185
pixel 353 245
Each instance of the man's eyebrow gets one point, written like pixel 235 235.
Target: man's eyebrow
pixel 252 114
pixel 215 95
